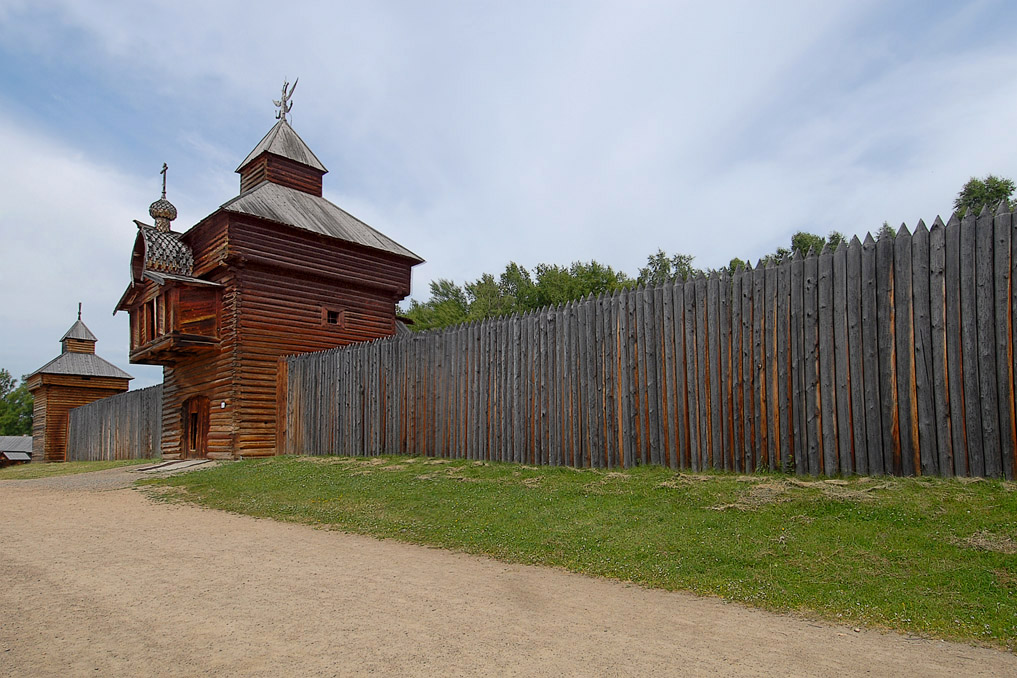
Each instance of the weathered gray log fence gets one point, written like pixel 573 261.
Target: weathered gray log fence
pixel 125 426
pixel 893 356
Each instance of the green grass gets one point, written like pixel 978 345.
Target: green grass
pixel 927 556
pixel 30 471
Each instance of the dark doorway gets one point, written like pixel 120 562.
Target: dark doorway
pixel 195 428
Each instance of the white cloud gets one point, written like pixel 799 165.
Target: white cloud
pixel 66 231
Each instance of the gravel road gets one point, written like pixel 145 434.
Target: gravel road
pixel 102 581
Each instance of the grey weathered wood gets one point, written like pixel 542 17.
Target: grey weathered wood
pixel 747 365
pixel 1003 296
pixel 887 356
pixel 856 357
pixel 703 370
pixel 613 429
pixel 716 460
pixel 652 391
pixel 842 378
pixel 955 386
pixel 827 361
pixel 693 380
pixel 726 401
pixel 668 405
pixel 986 337
pixel 810 369
pixel 737 390
pixel 124 426
pixel 770 352
pixel 925 394
pixel 969 345
pixel 904 326
pixel 783 320
pixel 797 313
pixel 759 428
pixel 681 376
pixel 937 323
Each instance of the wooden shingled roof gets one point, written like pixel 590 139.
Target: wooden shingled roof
pixel 312 213
pixel 82 365
pixel 284 142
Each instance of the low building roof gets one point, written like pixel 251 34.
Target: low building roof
pixel 312 213
pixel 16 444
pixel 82 365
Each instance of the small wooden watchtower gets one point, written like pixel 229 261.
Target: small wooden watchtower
pixel 74 378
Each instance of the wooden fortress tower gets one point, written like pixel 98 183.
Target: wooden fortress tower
pixel 74 378
pixel 275 271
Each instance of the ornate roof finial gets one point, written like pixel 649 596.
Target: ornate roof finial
pixel 79 310
pixel 162 210
pixel 284 104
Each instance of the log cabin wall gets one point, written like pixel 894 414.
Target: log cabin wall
pixel 278 170
pixel 209 374
pixel 55 396
pixel 301 292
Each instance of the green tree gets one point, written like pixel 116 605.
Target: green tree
pixel 886 230
pixel 661 268
pixel 15 406
pixel 988 191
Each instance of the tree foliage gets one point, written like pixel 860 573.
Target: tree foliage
pixel 518 290
pixel 989 191
pixel 15 406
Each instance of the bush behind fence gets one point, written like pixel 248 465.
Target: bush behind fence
pixel 125 426
pixel 882 357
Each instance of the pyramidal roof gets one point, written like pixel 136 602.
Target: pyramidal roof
pixel 79 331
pixel 283 141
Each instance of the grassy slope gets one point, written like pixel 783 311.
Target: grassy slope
pixel 927 556
pixel 29 471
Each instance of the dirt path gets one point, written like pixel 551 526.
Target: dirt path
pixel 101 581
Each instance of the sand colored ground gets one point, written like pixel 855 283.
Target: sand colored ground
pixel 101 581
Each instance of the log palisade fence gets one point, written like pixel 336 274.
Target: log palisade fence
pixel 124 426
pixel 893 356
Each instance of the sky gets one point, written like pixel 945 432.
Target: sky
pixel 479 133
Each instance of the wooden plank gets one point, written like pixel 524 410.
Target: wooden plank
pixel 927 460
pixel 954 362
pixel 692 378
pixel 887 357
pixel 829 463
pixel 632 422
pixel 726 393
pixel 703 374
pixel 969 345
pixel 842 373
pixel 783 357
pixel 771 401
pixel 749 440
pixel 665 304
pixel 810 368
pixel 737 390
pixel 905 464
pixel 797 315
pixel 611 350
pixel 681 389
pixel 651 394
pixel 759 427
pixel 1002 245
pixel 856 357
pixel 986 337
pixel 713 293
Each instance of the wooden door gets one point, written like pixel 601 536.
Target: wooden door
pixel 195 428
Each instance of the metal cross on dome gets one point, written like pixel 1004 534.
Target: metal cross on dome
pixel 284 104
pixel 163 173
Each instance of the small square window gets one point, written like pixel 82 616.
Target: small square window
pixel 332 316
